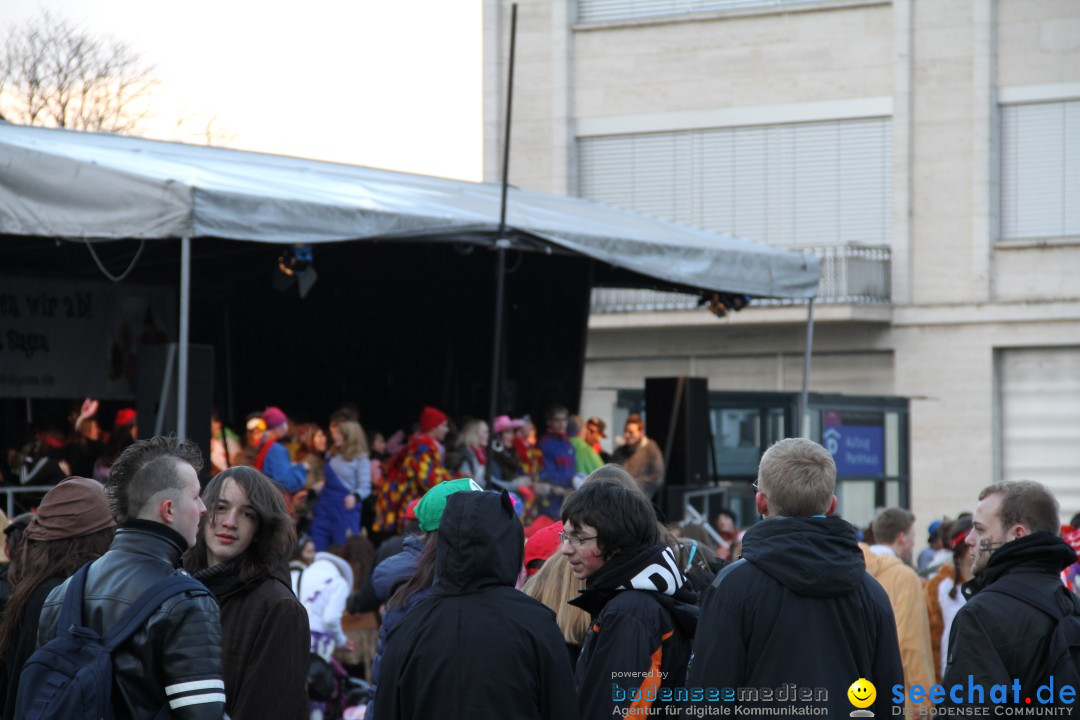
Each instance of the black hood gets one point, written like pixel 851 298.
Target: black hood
pixel 817 557
pixel 1041 553
pixel 481 543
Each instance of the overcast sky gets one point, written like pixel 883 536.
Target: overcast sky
pixel 370 82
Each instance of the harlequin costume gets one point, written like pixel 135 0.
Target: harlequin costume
pixel 410 474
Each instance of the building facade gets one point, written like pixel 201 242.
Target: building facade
pixel 928 150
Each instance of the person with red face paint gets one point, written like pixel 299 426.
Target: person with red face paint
pixel 643 611
pixel 241 554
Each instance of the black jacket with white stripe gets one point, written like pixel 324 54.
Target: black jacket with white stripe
pixel 175 658
pixel 644 615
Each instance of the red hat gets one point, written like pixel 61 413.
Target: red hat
pixel 273 417
pixel 410 510
pixel 431 418
pixel 543 544
pixel 124 416
pixel 536 525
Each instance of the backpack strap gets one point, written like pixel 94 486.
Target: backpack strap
pixel 146 604
pixel 1022 591
pixel 727 570
pixel 71 610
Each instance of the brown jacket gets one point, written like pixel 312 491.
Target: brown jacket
pixel 265 645
pixel 905 592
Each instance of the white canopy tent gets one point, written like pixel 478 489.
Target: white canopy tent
pixel 75 185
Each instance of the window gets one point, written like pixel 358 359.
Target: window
pixel 599 10
pixel 1040 170
pixel 792 184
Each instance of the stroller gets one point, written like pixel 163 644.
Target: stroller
pixel 333 692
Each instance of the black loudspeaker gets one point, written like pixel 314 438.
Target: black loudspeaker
pixel 153 362
pixel 677 418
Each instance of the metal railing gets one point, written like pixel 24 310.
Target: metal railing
pixel 12 491
pixel 850 274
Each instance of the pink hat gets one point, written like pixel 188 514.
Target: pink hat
pixel 273 417
pixel 503 423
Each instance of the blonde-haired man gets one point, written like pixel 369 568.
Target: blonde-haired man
pixel 799 607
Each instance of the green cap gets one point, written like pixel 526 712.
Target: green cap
pixel 430 508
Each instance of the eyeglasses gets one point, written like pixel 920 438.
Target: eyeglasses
pixel 575 542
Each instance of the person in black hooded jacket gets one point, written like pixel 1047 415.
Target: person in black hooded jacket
pixel 799 607
pixel 643 611
pixel 477 649
pixel 997 636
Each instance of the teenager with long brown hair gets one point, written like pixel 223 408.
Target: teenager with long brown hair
pixel 241 554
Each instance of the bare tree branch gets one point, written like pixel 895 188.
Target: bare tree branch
pixel 54 73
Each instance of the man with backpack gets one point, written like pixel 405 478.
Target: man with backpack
pixel 798 609
pixel 1019 619
pixel 159 627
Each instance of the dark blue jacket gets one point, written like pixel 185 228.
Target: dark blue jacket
pixel 798 608
pixel 389 575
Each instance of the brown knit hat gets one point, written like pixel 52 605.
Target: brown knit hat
pixel 73 508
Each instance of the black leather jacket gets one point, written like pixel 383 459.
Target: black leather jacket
pixel 175 657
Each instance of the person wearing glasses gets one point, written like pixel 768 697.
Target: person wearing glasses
pixel 643 611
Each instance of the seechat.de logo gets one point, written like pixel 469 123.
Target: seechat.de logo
pixel 862 695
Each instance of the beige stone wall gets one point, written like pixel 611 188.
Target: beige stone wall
pixel 540 129
pixel 1038 41
pixel 733 61
pixel 941 153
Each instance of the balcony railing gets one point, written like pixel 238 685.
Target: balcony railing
pixel 850 274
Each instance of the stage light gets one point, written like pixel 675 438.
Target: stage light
pixel 294 266
pixel 721 304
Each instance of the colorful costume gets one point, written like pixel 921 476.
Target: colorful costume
pixel 408 477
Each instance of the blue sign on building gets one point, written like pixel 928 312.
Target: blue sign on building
pixel 856 441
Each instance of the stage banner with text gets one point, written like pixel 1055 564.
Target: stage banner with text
pixel 64 339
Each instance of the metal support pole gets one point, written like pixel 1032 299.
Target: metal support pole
pixel 804 402
pixel 185 321
pixel 501 243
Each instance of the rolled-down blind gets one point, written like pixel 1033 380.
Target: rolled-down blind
pixel 1040 420
pixel 599 10
pixel 1040 170
pixel 796 184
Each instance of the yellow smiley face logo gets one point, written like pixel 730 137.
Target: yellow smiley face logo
pixel 862 693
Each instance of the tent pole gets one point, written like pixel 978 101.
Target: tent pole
pixel 804 401
pixel 185 321
pixel 501 243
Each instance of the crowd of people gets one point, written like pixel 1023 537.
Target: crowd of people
pixel 511 576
